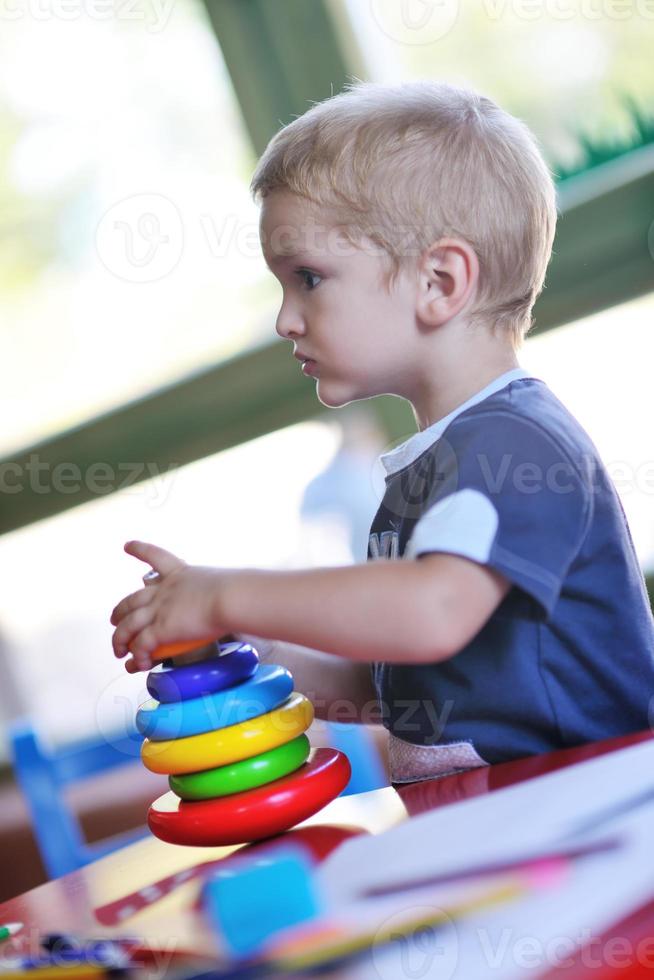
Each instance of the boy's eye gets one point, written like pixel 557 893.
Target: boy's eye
pixel 308 278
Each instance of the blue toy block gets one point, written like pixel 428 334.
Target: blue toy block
pixel 256 897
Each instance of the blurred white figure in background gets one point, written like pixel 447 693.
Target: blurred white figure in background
pixel 13 703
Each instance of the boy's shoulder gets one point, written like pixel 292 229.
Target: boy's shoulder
pixel 525 452
pixel 517 415
pixel 524 417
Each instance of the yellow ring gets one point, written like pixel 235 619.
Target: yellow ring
pixel 225 745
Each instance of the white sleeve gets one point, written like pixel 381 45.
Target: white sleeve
pixel 465 523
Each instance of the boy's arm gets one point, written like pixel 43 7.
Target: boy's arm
pixel 339 689
pixel 419 610
pixel 410 611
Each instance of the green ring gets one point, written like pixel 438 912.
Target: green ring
pixel 246 774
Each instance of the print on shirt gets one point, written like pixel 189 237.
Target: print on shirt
pixel 384 545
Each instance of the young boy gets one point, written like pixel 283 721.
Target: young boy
pixel 502 611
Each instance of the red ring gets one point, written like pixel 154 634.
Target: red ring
pixel 255 813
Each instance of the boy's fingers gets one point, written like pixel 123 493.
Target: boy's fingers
pixel 141 646
pixel 162 561
pixel 129 627
pixel 133 667
pixel 129 604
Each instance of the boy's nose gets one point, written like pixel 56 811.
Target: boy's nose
pixel 289 323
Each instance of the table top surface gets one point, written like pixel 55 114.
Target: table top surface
pixel 134 891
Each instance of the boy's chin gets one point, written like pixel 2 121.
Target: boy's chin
pixel 336 396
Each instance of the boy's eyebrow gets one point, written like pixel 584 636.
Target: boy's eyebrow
pixel 289 250
pixel 283 255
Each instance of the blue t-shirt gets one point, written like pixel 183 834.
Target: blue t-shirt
pixel 512 481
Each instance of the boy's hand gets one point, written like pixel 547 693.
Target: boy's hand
pixel 178 604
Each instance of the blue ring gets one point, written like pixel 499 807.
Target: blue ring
pixel 170 684
pixel 266 690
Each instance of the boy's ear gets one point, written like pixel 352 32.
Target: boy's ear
pixel 448 273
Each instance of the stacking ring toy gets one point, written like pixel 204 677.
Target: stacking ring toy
pixel 256 813
pixel 189 681
pixel 226 745
pixel 267 689
pixel 244 775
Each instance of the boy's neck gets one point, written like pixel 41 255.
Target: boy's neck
pixel 458 373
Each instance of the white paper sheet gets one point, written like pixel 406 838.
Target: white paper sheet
pixel 504 825
pixel 532 936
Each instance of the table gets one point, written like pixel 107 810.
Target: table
pixel 87 902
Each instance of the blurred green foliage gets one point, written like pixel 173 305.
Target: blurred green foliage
pixel 581 82
pixel 27 240
pixel 598 150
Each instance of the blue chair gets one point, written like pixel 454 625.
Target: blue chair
pixel 43 775
pixel 358 745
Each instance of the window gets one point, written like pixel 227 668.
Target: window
pixel 129 251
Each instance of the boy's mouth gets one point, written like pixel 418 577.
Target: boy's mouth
pixel 309 367
pixel 308 363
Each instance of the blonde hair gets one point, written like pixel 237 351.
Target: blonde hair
pixel 404 165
